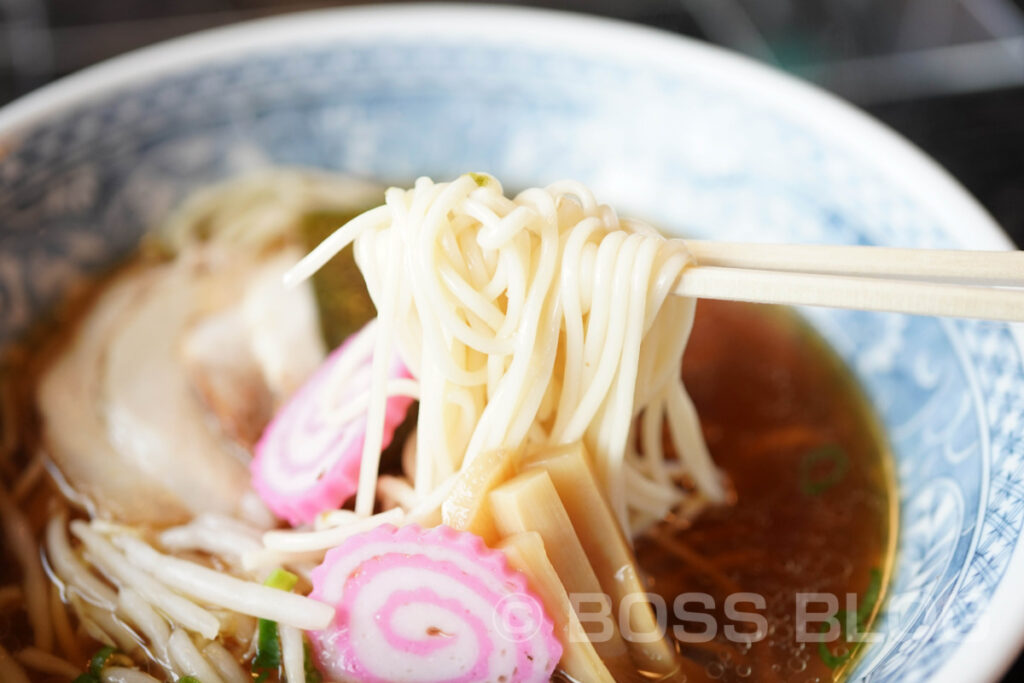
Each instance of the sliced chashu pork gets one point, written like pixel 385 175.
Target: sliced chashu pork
pixel 74 426
pixel 283 325
pixel 151 410
pixel 162 370
pixel 248 358
pixel 217 353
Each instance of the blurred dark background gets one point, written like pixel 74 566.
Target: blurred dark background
pixel 947 74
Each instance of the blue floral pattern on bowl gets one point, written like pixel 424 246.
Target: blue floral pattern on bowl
pixel 77 189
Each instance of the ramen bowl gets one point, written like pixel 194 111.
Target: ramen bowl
pixel 697 140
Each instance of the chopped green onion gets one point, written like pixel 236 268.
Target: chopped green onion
pixel 833 455
pixel 189 679
pixel 871 595
pixel 312 673
pixel 867 605
pixel 104 657
pixel 99 660
pixel 281 580
pixel 268 650
pixel 481 179
pixel 832 661
pixel 268 645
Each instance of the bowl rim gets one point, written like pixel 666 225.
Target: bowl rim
pixel 927 183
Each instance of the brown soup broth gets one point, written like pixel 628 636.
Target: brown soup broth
pixel 814 508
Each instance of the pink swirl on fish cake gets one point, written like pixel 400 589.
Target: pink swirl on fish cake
pixel 429 606
pixel 307 461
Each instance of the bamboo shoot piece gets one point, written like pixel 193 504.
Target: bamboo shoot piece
pixel 610 556
pixel 530 502
pixel 468 507
pixel 580 660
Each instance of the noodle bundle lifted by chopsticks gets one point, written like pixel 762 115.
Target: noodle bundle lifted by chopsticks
pixel 529 322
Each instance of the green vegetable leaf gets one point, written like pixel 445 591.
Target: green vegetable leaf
pixel 189 679
pixel 812 481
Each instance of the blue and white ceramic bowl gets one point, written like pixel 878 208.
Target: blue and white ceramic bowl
pixel 665 128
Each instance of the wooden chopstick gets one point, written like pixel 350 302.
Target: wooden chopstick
pixel 844 291
pixel 961 266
